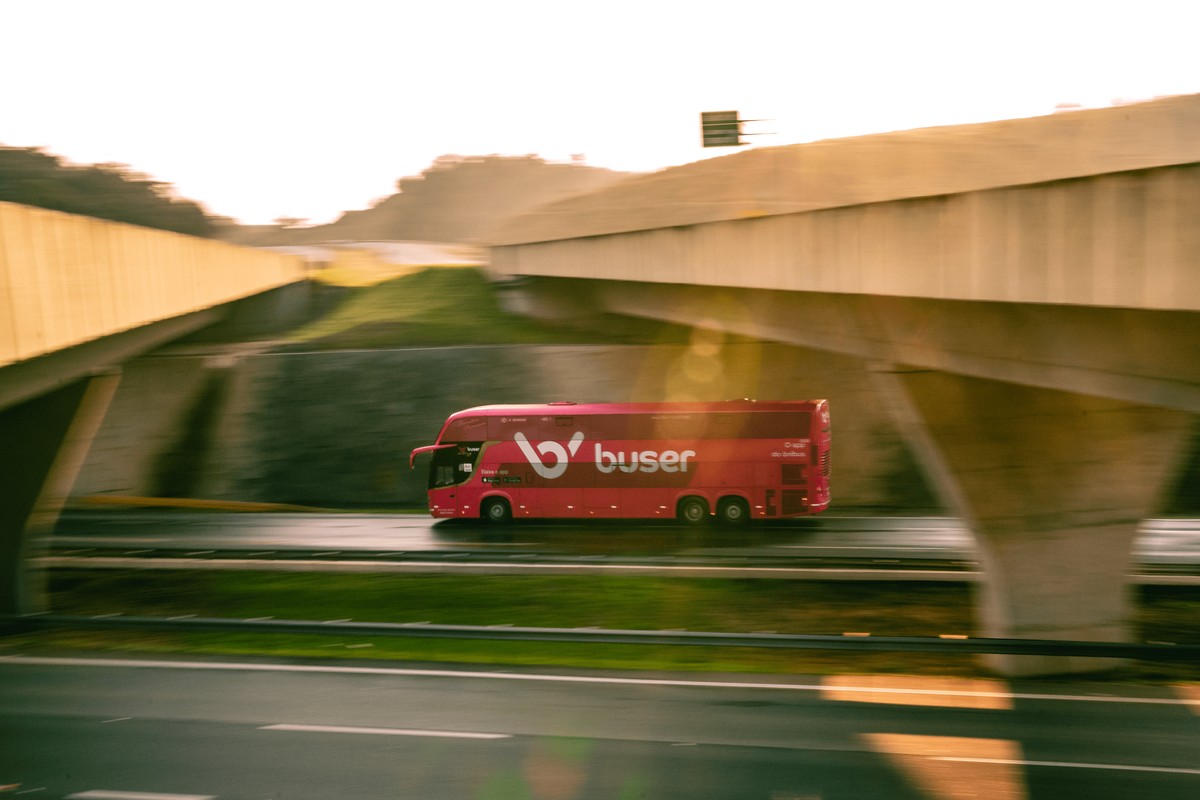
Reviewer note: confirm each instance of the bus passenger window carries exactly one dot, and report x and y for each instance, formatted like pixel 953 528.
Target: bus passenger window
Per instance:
pixel 443 475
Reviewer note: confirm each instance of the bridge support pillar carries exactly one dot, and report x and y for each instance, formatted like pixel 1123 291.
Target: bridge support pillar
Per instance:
pixel 1054 485
pixel 44 444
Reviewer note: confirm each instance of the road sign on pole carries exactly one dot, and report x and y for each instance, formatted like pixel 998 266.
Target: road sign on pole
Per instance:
pixel 721 129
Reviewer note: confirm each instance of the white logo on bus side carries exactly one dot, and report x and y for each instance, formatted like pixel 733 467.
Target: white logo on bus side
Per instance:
pixel 644 461
pixel 561 454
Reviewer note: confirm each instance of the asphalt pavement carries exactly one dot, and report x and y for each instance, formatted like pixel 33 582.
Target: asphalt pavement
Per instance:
pixel 130 729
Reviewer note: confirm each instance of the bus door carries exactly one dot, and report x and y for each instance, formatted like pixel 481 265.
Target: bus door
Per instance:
pixel 450 473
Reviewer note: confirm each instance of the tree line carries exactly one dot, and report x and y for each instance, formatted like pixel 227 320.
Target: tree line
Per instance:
pixel 30 176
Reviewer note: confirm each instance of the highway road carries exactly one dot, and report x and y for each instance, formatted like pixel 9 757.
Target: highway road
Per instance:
pixel 922 543
pixel 179 730
pixel 419 532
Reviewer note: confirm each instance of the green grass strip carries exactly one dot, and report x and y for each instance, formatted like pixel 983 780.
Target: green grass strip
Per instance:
pixel 619 602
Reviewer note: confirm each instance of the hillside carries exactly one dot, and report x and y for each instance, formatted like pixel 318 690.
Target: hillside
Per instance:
pixel 458 199
pixel 33 177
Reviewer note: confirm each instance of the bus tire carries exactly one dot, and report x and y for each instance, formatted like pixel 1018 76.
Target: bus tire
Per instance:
pixel 496 511
pixel 733 511
pixel 692 511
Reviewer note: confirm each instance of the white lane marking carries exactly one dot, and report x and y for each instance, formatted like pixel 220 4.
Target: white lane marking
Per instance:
pixel 1068 765
pixel 384 731
pixel 47 661
pixel 104 794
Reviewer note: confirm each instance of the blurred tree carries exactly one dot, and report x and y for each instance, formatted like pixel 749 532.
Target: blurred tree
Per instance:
pixel 106 191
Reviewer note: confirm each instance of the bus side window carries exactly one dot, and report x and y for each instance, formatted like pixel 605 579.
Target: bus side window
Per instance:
pixel 443 475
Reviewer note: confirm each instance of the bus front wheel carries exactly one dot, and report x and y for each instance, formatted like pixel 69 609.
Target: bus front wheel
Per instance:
pixel 693 510
pixel 733 511
pixel 497 510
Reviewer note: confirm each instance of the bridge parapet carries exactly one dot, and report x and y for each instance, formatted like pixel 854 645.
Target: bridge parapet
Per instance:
pixel 1091 208
pixel 67 279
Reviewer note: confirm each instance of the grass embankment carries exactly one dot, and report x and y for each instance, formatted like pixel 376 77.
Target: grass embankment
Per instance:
pixel 579 601
pixel 444 307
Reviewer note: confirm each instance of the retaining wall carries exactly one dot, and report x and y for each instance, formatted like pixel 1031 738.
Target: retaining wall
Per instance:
pixel 336 428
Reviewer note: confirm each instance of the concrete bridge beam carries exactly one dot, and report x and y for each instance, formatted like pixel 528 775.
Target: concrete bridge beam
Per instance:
pixel 46 440
pixel 1053 484
pixel 1052 458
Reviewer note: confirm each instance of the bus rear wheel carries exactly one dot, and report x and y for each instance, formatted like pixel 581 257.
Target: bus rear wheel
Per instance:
pixel 733 511
pixel 692 511
pixel 496 510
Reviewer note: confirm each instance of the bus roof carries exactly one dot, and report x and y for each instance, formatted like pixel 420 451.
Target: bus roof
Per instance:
pixel 519 413
pixel 565 408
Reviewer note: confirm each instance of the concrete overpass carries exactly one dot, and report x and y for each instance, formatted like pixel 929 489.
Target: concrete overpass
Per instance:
pixel 1024 293
pixel 78 296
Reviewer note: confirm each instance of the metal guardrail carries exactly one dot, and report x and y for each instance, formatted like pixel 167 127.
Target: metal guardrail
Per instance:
pixel 1146 651
pixel 894 570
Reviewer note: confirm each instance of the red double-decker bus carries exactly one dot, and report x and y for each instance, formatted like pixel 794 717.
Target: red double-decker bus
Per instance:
pixel 736 460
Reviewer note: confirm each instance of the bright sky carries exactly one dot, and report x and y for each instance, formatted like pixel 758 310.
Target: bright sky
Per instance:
pixel 261 109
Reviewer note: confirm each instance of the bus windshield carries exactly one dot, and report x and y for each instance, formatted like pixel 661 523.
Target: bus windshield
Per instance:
pixel 454 465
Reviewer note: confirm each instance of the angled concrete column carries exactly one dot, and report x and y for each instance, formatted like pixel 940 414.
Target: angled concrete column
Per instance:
pixel 1054 486
pixel 43 441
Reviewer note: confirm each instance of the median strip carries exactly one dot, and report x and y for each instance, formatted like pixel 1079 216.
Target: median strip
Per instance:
pixel 850 641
